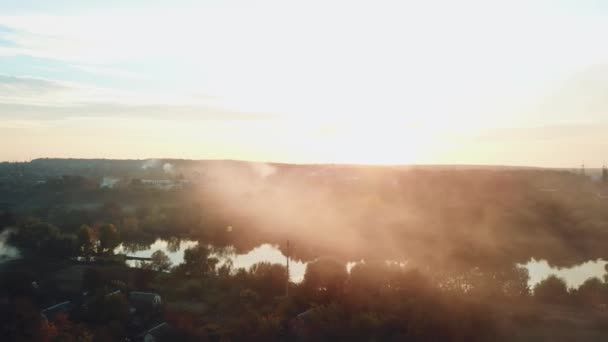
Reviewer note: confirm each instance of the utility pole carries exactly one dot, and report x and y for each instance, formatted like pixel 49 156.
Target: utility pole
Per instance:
pixel 583 169
pixel 287 281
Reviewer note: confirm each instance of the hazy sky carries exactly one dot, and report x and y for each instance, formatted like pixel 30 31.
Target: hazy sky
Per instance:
pixel 483 82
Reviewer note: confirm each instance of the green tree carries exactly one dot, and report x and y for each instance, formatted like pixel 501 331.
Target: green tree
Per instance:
pixel 160 261
pixel 173 244
pixel 515 282
pixel 34 235
pixel 45 239
pixel 198 261
pixel 325 278
pixel 369 277
pixel 268 279
pixel 592 292
pixel 551 289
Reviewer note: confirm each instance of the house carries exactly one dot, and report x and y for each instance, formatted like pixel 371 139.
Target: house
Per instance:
pixel 113 293
pixel 109 182
pixel 52 313
pixel 145 308
pixel 165 184
pixel 144 302
pixel 299 326
pixel 88 299
pixel 157 333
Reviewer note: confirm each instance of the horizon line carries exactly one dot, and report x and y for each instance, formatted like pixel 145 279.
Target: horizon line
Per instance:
pixel 309 163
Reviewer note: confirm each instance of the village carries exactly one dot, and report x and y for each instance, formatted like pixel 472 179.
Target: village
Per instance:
pixel 88 291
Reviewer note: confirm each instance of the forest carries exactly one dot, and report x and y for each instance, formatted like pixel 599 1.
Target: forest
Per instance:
pixel 437 249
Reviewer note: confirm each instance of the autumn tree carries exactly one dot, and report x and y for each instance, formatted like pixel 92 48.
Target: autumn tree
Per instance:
pixel 87 241
pixel 109 239
pixel 64 330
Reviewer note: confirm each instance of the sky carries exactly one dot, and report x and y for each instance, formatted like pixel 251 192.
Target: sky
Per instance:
pixel 379 82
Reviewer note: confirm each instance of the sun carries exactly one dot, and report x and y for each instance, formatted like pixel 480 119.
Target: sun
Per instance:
pixel 359 142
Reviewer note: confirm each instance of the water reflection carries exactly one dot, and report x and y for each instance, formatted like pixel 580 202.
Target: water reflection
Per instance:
pixel 574 276
pixel 175 248
pixel 176 254
pixel 7 252
pixel 269 253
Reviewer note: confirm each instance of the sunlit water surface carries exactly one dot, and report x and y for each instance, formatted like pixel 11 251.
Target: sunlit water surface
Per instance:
pixel 537 269
pixel 262 253
pixel 574 276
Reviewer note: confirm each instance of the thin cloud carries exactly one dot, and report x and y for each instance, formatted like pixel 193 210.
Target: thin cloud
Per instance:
pixel 582 95
pixel 109 71
pixel 26 90
pixel 33 85
pixel 157 111
pixel 30 90
pixel 566 132
pixel 39 98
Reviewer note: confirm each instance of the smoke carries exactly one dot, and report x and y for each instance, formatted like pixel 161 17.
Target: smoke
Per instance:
pixel 150 164
pixel 109 182
pixel 297 207
pixel 168 168
pixel 263 170
pixel 7 252
pixel 435 218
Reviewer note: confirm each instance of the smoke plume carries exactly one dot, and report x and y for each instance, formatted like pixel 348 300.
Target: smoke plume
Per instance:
pixel 168 168
pixel 7 252
pixel 150 164
pixel 263 170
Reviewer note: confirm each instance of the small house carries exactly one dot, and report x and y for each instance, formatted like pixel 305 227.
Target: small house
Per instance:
pixel 144 301
pixel 158 333
pixel 300 325
pixel 52 313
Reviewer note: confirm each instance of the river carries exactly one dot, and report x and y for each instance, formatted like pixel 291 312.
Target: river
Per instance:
pixel 537 269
